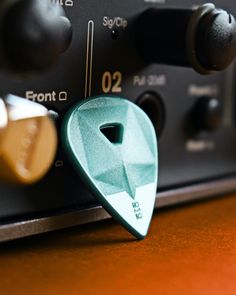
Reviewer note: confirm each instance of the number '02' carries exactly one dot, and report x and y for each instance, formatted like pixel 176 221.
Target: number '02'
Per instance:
pixel 111 82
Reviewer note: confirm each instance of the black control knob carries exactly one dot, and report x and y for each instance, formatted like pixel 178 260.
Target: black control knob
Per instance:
pixel 203 38
pixel 33 33
pixel 207 114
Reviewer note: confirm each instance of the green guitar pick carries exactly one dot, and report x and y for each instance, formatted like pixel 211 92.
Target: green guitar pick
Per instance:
pixel 112 145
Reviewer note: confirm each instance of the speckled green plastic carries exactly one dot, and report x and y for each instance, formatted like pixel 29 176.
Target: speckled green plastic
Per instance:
pixel 122 174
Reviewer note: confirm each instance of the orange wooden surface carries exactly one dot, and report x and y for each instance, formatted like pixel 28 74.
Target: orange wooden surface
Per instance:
pixel 189 250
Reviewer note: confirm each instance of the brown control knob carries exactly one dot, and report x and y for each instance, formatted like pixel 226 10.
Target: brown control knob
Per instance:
pixel 28 144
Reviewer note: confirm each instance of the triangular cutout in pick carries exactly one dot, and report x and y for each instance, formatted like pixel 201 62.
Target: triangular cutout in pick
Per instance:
pixel 121 171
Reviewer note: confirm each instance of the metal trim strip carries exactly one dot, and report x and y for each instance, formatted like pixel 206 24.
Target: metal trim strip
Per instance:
pixel 31 227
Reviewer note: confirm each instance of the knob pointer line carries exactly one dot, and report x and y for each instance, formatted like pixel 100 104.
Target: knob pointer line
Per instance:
pixel 112 145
